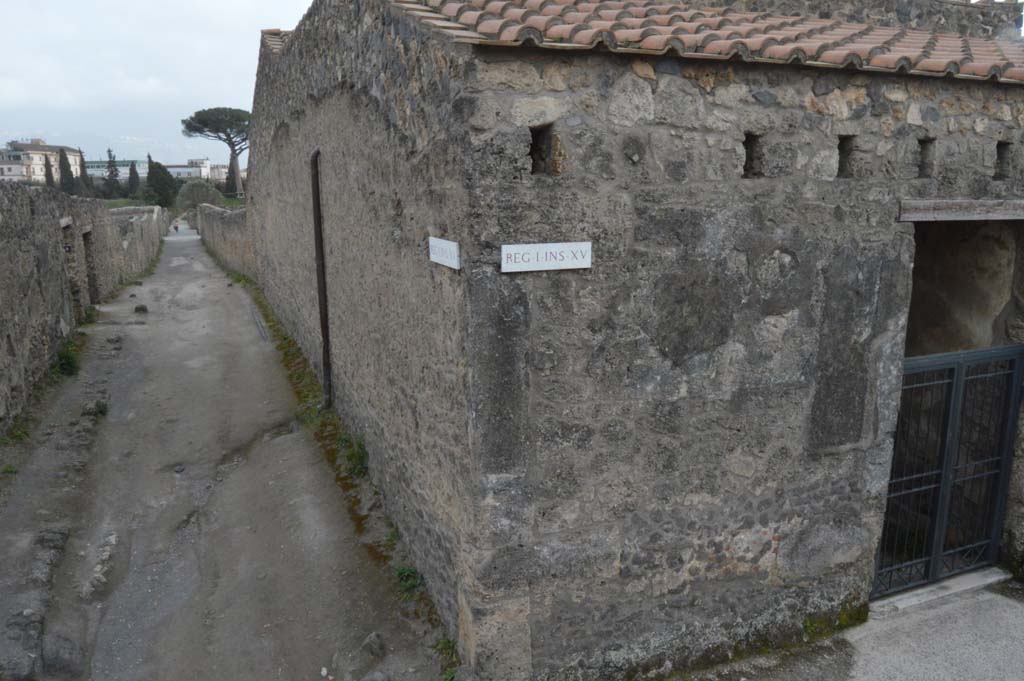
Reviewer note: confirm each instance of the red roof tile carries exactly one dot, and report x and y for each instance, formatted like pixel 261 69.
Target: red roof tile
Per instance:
pixel 658 27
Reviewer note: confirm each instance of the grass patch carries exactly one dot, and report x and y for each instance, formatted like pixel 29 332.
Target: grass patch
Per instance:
pixel 392 537
pixel 233 203
pixel 448 651
pixel 356 458
pixel 90 315
pixel 68 363
pixel 9 469
pixel 69 356
pixel 822 626
pixel 409 581
pixel 18 432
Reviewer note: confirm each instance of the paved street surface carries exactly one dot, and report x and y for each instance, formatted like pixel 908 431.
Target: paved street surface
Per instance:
pixel 193 532
pixel 976 636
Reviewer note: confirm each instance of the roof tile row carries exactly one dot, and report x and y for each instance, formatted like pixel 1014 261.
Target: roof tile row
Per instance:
pixel 657 27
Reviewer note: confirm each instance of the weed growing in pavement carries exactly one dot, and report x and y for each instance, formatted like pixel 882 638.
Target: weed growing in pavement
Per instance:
pixel 90 315
pixel 356 458
pixel 67 363
pixel 391 538
pixel 409 581
pixel 18 432
pixel 9 469
pixel 448 651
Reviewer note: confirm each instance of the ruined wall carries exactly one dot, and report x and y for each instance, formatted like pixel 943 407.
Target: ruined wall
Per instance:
pixel 986 19
pixel 128 246
pixel 700 426
pixel 380 102
pixel 227 235
pixel 45 276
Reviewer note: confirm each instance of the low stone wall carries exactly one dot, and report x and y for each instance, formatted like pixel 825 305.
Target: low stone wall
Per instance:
pixel 225 233
pixel 58 255
pixel 983 19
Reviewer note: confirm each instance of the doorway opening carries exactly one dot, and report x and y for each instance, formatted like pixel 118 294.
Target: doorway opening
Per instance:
pixel 68 236
pixel 961 396
pixel 321 278
pixel 90 268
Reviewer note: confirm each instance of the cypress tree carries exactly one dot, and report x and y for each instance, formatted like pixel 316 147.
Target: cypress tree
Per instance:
pixel 67 178
pixel 85 186
pixel 111 185
pixel 231 182
pixel 133 180
pixel 161 183
pixel 48 171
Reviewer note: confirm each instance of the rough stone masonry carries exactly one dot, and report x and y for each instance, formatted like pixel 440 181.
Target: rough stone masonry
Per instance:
pixel 59 255
pixel 683 451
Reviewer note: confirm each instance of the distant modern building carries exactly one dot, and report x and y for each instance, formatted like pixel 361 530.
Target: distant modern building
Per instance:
pixel 26 161
pixel 196 168
pixel 98 169
pixel 219 172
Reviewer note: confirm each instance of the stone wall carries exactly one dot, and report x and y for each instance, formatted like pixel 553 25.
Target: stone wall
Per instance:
pixel 128 246
pixel 227 235
pixel 378 97
pixel 702 423
pixel 59 255
pixel 678 453
pixel 986 19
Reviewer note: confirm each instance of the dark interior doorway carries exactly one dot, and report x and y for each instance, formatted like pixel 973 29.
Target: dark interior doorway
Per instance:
pixel 963 286
pixel 90 268
pixel 321 278
pixel 961 395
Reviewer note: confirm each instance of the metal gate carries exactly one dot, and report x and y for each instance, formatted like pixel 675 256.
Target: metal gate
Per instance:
pixel 951 466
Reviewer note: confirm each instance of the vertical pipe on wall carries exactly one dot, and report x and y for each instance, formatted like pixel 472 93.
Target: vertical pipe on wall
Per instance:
pixel 321 278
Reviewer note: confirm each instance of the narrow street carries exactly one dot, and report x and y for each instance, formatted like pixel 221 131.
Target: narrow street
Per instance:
pixel 194 531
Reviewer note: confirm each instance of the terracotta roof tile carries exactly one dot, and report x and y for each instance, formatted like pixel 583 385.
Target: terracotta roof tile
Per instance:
pixel 658 27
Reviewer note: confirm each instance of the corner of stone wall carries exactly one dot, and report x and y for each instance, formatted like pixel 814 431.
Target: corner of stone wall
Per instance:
pixel 495 602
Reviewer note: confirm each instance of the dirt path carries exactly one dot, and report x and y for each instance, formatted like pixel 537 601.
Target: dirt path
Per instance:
pixel 194 531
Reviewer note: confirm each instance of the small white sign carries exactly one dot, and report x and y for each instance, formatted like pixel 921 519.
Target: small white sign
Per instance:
pixel 445 253
pixel 537 257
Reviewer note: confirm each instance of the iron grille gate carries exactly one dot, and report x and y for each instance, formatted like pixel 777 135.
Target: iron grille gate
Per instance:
pixel 950 467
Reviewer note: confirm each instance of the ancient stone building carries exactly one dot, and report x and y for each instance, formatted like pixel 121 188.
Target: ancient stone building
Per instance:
pixel 686 449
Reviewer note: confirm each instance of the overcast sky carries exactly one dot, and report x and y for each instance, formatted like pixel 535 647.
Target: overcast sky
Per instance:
pixel 123 73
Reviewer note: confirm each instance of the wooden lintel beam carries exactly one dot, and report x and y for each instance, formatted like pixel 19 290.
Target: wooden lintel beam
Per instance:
pixel 960 210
